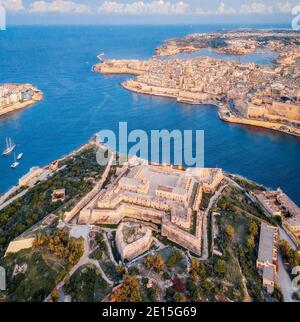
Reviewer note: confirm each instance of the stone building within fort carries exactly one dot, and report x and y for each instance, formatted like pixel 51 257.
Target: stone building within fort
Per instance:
pixel 162 195
pixel 133 240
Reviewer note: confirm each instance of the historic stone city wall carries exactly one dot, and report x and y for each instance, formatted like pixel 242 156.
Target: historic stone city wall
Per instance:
pixel 115 216
pixel 181 237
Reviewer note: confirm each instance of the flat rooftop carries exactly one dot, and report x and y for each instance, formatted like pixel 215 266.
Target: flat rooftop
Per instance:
pixel 266 243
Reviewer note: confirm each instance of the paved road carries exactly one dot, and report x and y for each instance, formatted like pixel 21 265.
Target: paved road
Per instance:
pixel 285 281
pixel 21 194
pixel 44 176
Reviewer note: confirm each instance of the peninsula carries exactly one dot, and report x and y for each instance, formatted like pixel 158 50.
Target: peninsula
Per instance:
pixel 260 95
pixel 150 226
pixel 14 97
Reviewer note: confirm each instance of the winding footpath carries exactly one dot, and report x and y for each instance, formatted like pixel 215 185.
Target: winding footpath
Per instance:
pixel 77 232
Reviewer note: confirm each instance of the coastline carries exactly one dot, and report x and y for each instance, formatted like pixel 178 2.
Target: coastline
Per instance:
pixel 191 99
pixel 257 123
pixel 37 97
pixel 186 97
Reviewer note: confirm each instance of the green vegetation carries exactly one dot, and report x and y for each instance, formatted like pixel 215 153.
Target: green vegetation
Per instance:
pixel 169 261
pixel 61 245
pixel 87 285
pixel 55 295
pixel 290 256
pixel 205 200
pixel 52 256
pixel 240 245
pixel 77 177
pixel 157 263
pixel 39 279
pixel 230 231
pixel 128 291
pixel 174 259
pixel 233 276
pixel 247 184
pixel 233 200
pixel 101 254
pixel 149 293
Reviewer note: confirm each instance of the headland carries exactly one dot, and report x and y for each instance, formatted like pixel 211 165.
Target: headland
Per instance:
pixel 259 95
pixel 14 97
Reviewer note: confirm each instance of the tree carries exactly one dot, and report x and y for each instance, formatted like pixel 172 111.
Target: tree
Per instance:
pixel 180 297
pixel 159 263
pixel 129 291
pixel 178 284
pixel 121 270
pixel 197 269
pixel 55 295
pixel 290 255
pixel 250 242
pixel 190 285
pixel 206 285
pixel 230 231
pixel 253 229
pixel 148 262
pixel 220 267
pixel 174 258
pixel 152 293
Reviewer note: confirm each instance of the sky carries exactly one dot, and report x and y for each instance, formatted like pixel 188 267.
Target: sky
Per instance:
pixel 149 11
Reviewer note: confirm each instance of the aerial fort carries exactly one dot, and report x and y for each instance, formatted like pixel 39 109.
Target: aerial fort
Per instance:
pixel 167 197
pixel 259 95
pixel 154 220
pixel 17 96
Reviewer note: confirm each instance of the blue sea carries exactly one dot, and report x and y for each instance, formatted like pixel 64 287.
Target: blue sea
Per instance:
pixel 79 103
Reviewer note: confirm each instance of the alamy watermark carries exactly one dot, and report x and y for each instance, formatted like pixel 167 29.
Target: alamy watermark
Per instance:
pixel 2 18
pixel 2 279
pixel 296 20
pixel 158 146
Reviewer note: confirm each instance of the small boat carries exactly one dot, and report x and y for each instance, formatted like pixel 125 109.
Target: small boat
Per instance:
pixel 10 146
pixel 15 164
pixel 20 156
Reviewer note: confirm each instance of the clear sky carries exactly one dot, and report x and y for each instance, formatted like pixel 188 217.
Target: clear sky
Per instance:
pixel 149 11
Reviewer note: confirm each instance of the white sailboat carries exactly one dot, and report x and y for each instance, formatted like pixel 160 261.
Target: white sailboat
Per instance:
pixel 20 156
pixel 15 164
pixel 10 146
